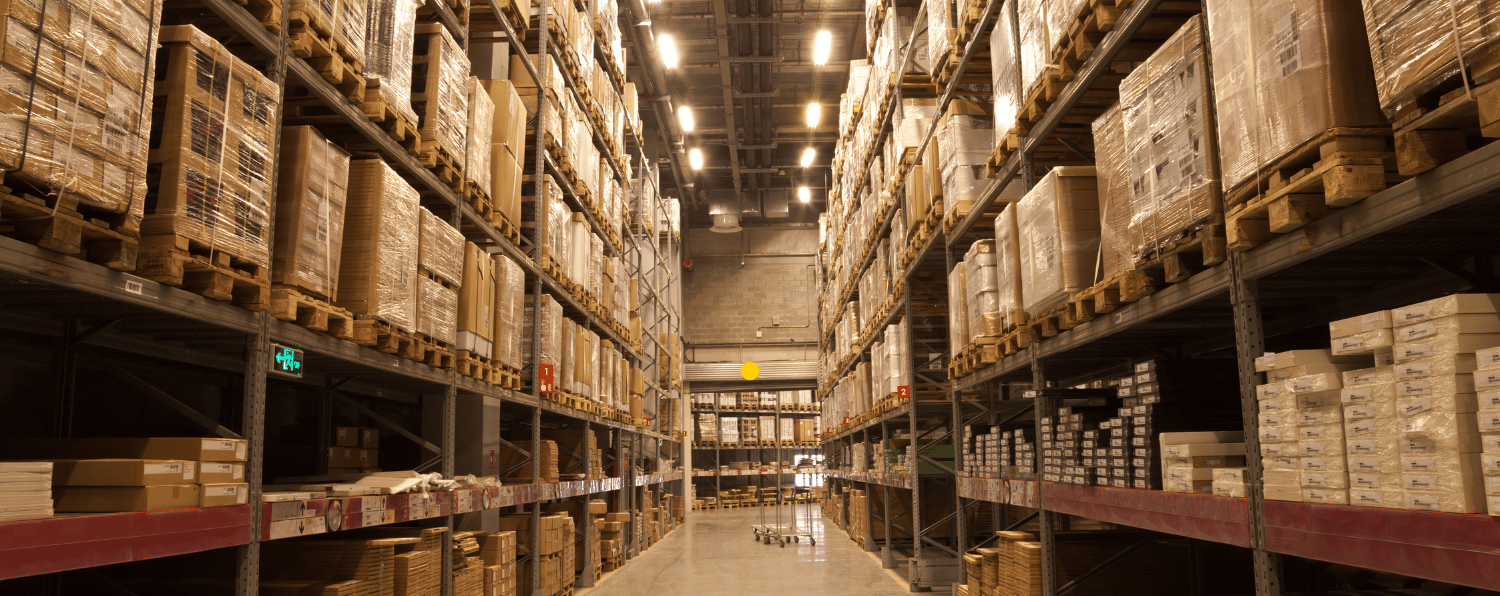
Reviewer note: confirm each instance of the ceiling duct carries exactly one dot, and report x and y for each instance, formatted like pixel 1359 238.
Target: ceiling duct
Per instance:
pixel 726 223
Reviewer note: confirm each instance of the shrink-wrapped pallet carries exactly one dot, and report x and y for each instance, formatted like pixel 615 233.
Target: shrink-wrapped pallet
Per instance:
pixel 1412 45
pixel 1112 164
pixel 1008 264
pixel 477 302
pixel 341 21
pixel 1169 139
pixel 378 269
pixel 440 93
pixel 437 310
pixel 1058 224
pixel 1285 71
pixel 211 149
pixel 958 321
pixel 940 23
pixel 440 248
pixel 389 44
pixel 510 293
pixel 982 293
pixel 479 133
pixel 965 138
pixel 1035 44
pixel 550 332
pixel 1005 78
pixel 311 190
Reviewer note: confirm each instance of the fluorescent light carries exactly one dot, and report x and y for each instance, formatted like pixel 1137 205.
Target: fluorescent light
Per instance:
pixel 668 50
pixel 807 156
pixel 695 157
pixel 685 117
pixel 804 195
pixel 814 114
pixel 821 47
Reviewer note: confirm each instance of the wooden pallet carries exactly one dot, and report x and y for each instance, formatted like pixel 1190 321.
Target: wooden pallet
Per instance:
pixel 961 211
pixel 387 338
pixel 1053 321
pixel 1305 196
pixel 435 157
pixel 1428 137
pixel 321 52
pixel 267 12
pixel 1175 262
pixel 1350 160
pixel 1122 288
pixel 435 352
pixel 311 312
pixel 474 366
pixel 69 232
pixel 392 121
pixel 507 377
pixel 506 228
pixel 182 262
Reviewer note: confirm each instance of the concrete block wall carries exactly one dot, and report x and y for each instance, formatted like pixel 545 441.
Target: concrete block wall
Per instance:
pixel 748 281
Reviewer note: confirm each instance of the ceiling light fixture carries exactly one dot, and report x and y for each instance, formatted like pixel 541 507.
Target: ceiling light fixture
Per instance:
pixel 685 118
pixel 695 157
pixel 808 155
pixel 814 114
pixel 821 47
pixel 804 195
pixel 668 50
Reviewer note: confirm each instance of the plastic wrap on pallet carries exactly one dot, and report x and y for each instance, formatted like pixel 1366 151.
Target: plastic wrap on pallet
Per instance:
pixel 557 217
pixel 440 248
pixel 476 303
pixel 965 139
pixel 1412 46
pixel 958 321
pixel 510 307
pixel 1036 45
pixel 310 194
pixel 389 44
pixel 982 293
pixel 1005 78
pixel 939 28
pixel 439 90
pixel 1168 129
pixel 1115 196
pixel 1008 263
pixel 1058 221
pixel 1062 17
pixel 550 333
pixel 900 30
pixel 1285 71
pixel 595 279
pixel 574 258
pixel 567 333
pixel 481 125
pixel 378 269
pixel 350 20
pixel 212 149
pixel 913 120
pixel 437 310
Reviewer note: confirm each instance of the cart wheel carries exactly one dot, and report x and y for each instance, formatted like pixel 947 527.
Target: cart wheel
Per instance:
pixel 783 544
pixel 814 541
pixel 796 539
pixel 767 540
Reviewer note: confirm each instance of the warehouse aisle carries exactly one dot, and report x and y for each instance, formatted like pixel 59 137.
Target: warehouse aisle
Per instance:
pixel 713 554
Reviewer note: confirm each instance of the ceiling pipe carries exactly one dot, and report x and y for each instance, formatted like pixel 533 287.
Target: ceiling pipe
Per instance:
pixel 727 83
pixel 788 17
pixel 655 86
pixel 767 118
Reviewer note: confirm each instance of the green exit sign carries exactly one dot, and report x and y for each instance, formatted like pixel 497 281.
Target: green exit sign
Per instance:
pixel 286 361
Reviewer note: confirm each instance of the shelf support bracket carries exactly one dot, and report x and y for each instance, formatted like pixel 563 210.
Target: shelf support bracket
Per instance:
pixel 161 396
pixel 383 421
pixel 1250 342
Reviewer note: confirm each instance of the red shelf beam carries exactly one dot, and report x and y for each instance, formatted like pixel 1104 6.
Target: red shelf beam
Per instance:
pixel 1205 517
pixel 50 545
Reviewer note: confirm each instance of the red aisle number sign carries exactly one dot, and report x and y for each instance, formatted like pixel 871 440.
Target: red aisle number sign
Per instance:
pixel 545 372
pixel 846 420
pixel 903 392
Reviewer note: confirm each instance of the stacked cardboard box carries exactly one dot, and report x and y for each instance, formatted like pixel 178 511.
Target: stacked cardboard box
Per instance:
pixel 1189 459
pixel 440 260
pixel 72 102
pixel 477 303
pixel 378 269
pixel 547 460
pixel 212 155
pixel 144 474
pixel 25 490
pixel 573 444
pixel 289 565
pixel 389 43
pixel 311 191
pixel 965 138
pixel 355 450
pixel 439 95
pixel 497 550
pixel 1412 46
pixel 510 306
pixel 1301 425
pixel 1060 217
pixel 1487 382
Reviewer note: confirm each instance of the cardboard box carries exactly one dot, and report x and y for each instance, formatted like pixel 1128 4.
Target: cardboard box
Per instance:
pixel 476 302
pixel 510 117
pixel 1060 217
pixel 311 189
pixel 109 499
pixel 218 495
pixel 123 472
pixel 378 274
pixel 505 177
pixel 167 448
pixel 210 472
pixel 346 436
pixel 440 248
pixel 369 438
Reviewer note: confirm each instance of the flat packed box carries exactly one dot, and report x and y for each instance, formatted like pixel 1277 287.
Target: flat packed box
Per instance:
pixel 1447 306
pixel 108 499
pixel 1369 322
pixel 1274 360
pixel 1444 345
pixel 221 494
pixel 1283 493
pixel 169 448
pixel 311 189
pixel 220 472
pixel 123 472
pixel 377 276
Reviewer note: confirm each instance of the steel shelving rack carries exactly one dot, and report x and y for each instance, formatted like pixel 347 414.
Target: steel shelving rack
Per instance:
pixel 719 454
pixel 88 311
pixel 1419 239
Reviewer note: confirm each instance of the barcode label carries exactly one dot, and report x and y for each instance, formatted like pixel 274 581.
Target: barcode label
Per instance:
pixel 1288 51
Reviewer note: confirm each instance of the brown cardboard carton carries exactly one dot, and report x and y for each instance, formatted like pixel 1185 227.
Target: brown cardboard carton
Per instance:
pixel 476 302
pixel 369 438
pixel 122 472
pixel 176 448
pixel 378 274
pixel 506 178
pixel 214 472
pixel 109 499
pixel 1058 222
pixel 218 495
pixel 510 118
pixel 440 248
pixel 346 436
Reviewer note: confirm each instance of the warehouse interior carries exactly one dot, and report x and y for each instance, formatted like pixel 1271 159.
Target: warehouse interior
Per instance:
pixel 554 298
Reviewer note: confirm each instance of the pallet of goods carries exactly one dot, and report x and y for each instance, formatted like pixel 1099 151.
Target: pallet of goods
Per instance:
pixel 311 192
pixel 378 268
pixel 440 98
pixel 330 36
pixel 389 46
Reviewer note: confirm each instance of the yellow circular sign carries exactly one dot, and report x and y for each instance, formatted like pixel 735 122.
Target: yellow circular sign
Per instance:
pixel 749 371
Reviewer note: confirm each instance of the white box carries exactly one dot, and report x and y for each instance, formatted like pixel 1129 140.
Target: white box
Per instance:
pixel 1275 360
pixel 1276 492
pixel 1202 449
pixel 1448 327
pixel 1315 383
pixel 1390 499
pixel 1449 364
pixel 1488 358
pixel 1437 346
pixel 1362 343
pixel 1284 374
pixel 1369 481
pixel 1360 324
pixel 1229 489
pixel 1444 307
pixel 1326 496
pixel 1331 480
pixel 1324 464
pixel 1369 376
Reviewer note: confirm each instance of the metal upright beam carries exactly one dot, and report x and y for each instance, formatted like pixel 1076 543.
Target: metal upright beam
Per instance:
pixel 253 427
pixel 1250 343
pixel 1045 519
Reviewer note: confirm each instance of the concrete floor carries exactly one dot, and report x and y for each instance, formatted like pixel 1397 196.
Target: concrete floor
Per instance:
pixel 713 555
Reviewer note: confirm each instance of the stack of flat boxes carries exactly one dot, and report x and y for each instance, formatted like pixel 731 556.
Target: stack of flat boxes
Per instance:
pixel 1368 401
pixel 1440 441
pixel 1018 453
pixel 1069 439
pixel 1487 382
pixel 1191 461
pixel 497 550
pixel 1298 380
pixel 140 474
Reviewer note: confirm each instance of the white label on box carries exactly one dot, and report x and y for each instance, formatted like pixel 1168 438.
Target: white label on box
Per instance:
pixel 1488 358
pixel 1314 463
pixel 239 471
pixel 1488 421
pixel 1416 332
pixel 1284 463
pixel 1312 432
pixel 1371 481
pixel 1413 351
pixel 1489 401
pixel 1364 378
pixel 1423 502
pixel 1364 446
pixel 1413 370
pixel 1364 464
pixel 1267 391
pixel 1314 448
pixel 1410 482
pixel 1269 359
pixel 217 468
pixel 1357 396
pixel 1410 388
pixel 189 471
pixel 1359 412
pixel 220 491
pixel 217 445
pixel 1309 400
pixel 1491 443
pixel 1368 498
pixel 1319 495
pixel 1416 406
pixel 1418 445
pixel 1486 379
pixel 1310 417
pixel 1411 314
pixel 1272 419
pixel 1302 386
pixel 153 469
pixel 1314 480
pixel 1419 464
pixel 1270 405
pixel 1348 344
pixel 1492 486
pixel 239 451
pixel 1490 464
